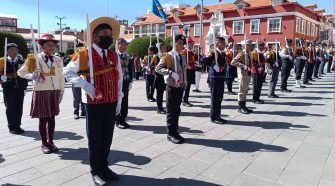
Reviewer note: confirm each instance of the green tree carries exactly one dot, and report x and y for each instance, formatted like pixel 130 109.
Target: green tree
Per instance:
pixel 139 46
pixel 68 52
pixel 13 38
pixel 167 42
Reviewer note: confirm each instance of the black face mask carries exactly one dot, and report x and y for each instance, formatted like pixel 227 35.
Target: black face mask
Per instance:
pixel 105 42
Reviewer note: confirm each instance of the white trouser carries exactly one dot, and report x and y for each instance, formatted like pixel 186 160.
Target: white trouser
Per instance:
pixel 197 80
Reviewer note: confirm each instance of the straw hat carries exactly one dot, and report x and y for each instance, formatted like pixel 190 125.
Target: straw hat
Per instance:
pixel 114 24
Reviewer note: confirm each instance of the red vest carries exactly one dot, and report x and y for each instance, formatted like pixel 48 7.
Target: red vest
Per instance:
pixel 105 79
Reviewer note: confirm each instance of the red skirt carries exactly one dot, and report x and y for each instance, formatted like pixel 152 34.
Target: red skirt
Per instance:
pixel 45 104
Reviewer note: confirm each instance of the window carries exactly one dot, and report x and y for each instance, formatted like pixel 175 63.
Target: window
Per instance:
pixel 308 28
pixel 274 25
pixel 186 29
pixel 144 29
pixel 161 28
pixel 199 11
pixel 254 26
pixel 316 31
pixel 297 25
pixel 176 14
pixel 197 28
pixel 303 27
pixel 273 44
pixel 175 30
pixel 276 2
pixel 313 30
pixel 137 29
pixel 217 30
pixel 238 27
pixel 240 5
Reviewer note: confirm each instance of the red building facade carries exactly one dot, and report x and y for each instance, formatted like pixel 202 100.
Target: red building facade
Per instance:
pixel 262 20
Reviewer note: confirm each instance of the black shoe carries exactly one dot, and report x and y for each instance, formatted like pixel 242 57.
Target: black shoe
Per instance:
pixel 151 99
pixel 17 131
pixel 99 180
pixel 285 90
pixel 243 111
pixel 249 110
pixel 196 90
pixel 300 86
pixel 218 120
pixel 258 102
pixel 83 114
pixel 187 104
pixel 110 175
pixel 161 111
pixel 311 80
pixel 273 96
pixel 53 147
pixel 232 93
pixel 122 125
pixel 75 116
pixel 180 138
pixel 307 83
pixel 174 139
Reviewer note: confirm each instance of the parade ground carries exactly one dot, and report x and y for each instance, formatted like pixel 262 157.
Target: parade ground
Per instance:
pixel 286 141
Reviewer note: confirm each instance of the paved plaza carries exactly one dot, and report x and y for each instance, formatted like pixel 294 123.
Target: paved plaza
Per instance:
pixel 286 141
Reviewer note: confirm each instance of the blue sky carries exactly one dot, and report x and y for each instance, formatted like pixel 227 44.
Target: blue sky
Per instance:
pixel 75 10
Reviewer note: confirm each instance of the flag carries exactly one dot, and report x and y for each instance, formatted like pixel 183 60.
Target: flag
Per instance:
pixel 158 10
pixel 220 1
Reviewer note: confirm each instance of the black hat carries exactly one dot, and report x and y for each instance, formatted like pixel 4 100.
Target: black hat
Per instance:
pixel 260 43
pixel 10 45
pixel 182 37
pixel 289 40
pixel 78 45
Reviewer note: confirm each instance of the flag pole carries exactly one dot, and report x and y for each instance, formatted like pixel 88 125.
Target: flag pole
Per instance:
pixel 89 48
pixel 201 25
pixel 107 8
pixel 5 58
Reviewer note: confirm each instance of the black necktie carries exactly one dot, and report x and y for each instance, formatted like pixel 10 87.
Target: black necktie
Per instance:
pixel 47 58
pixel 104 58
pixel 13 61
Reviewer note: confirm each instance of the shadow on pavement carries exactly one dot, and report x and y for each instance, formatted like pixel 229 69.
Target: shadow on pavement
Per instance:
pixel 1 158
pixel 162 129
pixel 115 156
pixel 236 145
pixel 58 135
pixel 294 103
pixel 137 180
pixel 267 124
pixel 287 113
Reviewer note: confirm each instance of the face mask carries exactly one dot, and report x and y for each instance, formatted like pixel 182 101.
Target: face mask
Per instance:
pixel 105 41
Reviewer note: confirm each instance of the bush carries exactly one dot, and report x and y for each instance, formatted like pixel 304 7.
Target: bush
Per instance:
pixel 13 38
pixel 139 46
pixel 69 52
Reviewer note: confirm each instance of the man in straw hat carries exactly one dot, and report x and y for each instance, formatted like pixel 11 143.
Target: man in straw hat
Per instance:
pixel 243 62
pixel 103 98
pixel 14 88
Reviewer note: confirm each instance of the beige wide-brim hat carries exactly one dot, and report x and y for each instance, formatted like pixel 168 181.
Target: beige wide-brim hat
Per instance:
pixel 114 24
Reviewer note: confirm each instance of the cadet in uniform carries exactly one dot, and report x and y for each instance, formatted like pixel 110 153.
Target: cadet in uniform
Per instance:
pixel 14 88
pixel 274 65
pixel 173 67
pixel 243 63
pixel 286 55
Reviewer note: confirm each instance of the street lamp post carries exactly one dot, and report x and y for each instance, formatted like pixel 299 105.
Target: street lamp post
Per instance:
pixel 61 30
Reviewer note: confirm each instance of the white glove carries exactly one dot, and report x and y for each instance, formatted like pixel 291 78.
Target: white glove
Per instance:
pixel 245 68
pixel 61 97
pixel 118 106
pixel 35 76
pixel 25 92
pixel 290 57
pixel 4 78
pixel 175 76
pixel 276 64
pixel 216 68
pixel 303 57
pixel 88 87
pixel 130 86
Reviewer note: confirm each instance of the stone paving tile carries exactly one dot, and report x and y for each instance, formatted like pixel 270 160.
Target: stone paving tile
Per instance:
pixel 287 141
